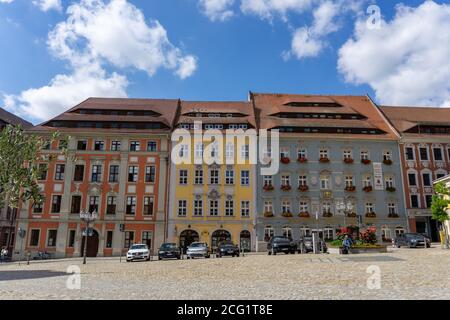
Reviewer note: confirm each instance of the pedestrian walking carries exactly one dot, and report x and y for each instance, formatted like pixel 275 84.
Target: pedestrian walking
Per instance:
pixel 3 254
pixel 346 244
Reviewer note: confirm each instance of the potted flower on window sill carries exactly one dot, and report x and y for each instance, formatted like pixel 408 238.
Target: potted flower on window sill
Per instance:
pixel 324 160
pixel 350 188
pixel 268 187
pixel 348 160
pixel 302 160
pixel 393 215
pixel 351 214
pixel 365 161
pixel 303 188
pixel 285 160
pixel 387 162
pixel 304 214
pixel 268 214
pixel 327 214
pixel 287 214
pixel 367 189
pixel 286 187
pixel 390 189
pixel 371 215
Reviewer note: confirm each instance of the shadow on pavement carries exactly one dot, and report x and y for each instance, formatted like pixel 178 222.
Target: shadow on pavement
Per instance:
pixel 33 274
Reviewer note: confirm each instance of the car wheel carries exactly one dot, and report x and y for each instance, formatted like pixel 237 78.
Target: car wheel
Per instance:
pixel 238 255
pixel 269 253
pixel 274 253
pixel 178 257
pixel 159 258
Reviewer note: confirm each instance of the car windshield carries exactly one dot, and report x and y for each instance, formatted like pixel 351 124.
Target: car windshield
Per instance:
pixel 227 244
pixel 280 239
pixel 198 245
pixel 167 246
pixel 138 247
pixel 414 236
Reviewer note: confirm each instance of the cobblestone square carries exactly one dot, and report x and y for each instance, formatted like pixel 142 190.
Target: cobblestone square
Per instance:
pixel 404 274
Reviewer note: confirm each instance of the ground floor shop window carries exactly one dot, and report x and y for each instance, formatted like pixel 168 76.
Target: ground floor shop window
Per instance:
pixel 129 239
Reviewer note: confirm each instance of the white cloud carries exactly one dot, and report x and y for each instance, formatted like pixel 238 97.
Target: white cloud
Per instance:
pixel 266 9
pixel 406 61
pixel 217 10
pixel 6 1
pixel 46 5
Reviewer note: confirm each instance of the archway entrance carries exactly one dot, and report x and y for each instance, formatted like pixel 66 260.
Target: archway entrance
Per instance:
pixel 217 237
pixel 187 237
pixel 92 244
pixel 245 241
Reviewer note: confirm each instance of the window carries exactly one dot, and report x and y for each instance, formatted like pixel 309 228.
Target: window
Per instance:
pixel 437 153
pixel 229 207
pixel 323 153
pixel 285 180
pixel 199 150
pixel 268 233
pixel 285 206
pixel 347 154
pixel 99 145
pixel 214 176
pixel 182 208
pixel 42 171
pixel 364 155
pixel 385 234
pixel 301 153
pixel 214 149
pixel 115 145
pixel 135 146
pixel 198 207
pixel 325 182
pixel 51 238
pixel 147 238
pixel 131 205
pixel 132 174
pixel 399 231
pixel 412 179
pixel 46 145
pixel 426 179
pixel 93 203
pixel 183 177
pixel 268 180
pixel 305 231
pixel 109 239
pixel 75 206
pixel 183 151
pixel 328 233
pixel 245 209
pixel 34 237
pixel 268 206
pixel 303 206
pixel 79 173
pixel 302 181
pixel 71 242
pixel 428 200
pixel 287 232
pixel 62 144
pixel 56 204
pixel 326 207
pixel 150 174
pixel 245 152
pixel 369 207
pixel 348 181
pixel 213 207
pixel 198 178
pixel 81 145
pixel 284 153
pixel 389 182
pixel 367 181
pixel 111 203
pixel 245 178
pixel 229 176
pixel 148 206
pixel 392 208
pixel 96 173
pixel 229 151
pixel 409 153
pixel 114 173
pixel 59 172
pixel 414 201
pixel 387 155
pixel 129 239
pixel 423 151
pixel 440 175
pixel 152 146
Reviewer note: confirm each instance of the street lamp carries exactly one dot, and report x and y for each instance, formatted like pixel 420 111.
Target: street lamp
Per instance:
pixel 346 208
pixel 87 218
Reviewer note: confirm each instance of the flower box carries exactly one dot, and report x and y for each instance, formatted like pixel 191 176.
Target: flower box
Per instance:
pixel 390 189
pixel 268 214
pixel 324 160
pixel 285 160
pixel 393 215
pixel 268 187
pixel 367 189
pixel 350 188
pixel 303 188
pixel 387 162
pixel 286 187
pixel 327 214
pixel 366 161
pixel 351 215
pixel 287 215
pixel 304 215
pixel 302 160
pixel 348 160
pixel 371 215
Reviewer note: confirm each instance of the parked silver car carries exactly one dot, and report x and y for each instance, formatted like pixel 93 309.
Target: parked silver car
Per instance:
pixel 198 250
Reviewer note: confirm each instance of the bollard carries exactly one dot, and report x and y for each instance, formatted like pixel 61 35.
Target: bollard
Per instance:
pixel 28 258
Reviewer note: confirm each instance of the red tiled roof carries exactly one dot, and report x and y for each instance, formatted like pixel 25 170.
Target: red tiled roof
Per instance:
pixel 12 119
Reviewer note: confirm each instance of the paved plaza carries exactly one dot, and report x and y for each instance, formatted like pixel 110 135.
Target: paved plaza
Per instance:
pixel 404 274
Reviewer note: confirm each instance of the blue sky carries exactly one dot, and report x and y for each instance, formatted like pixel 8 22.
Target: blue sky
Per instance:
pixel 248 50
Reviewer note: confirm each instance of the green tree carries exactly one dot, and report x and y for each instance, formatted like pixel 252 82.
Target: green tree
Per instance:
pixel 19 166
pixel 440 206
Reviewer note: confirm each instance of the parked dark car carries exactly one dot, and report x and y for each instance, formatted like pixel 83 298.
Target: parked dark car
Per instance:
pixel 281 244
pixel 412 240
pixel 227 248
pixel 306 244
pixel 169 251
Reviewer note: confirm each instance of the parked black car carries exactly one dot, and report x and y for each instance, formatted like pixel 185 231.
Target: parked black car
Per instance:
pixel 281 244
pixel 412 240
pixel 169 251
pixel 227 248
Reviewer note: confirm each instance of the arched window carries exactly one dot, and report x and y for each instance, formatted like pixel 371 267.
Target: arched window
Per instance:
pixel 287 232
pixel 399 231
pixel 385 234
pixel 268 233
pixel 305 231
